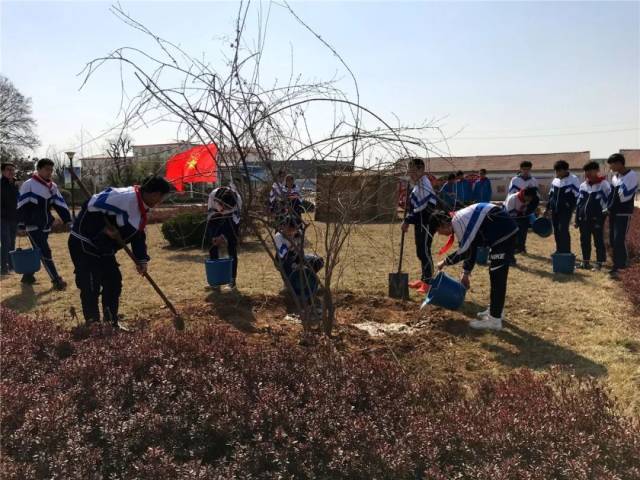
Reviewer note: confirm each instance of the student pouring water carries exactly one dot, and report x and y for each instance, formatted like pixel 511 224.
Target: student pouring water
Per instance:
pixel 481 225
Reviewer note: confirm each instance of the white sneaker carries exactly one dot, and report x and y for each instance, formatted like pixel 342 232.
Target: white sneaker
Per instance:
pixel 487 323
pixel 486 313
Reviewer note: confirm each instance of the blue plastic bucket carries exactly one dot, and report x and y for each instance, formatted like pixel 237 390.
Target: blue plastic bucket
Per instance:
pixel 543 227
pixel 25 261
pixel 304 283
pixel 482 255
pixel 563 262
pixel 445 292
pixel 219 272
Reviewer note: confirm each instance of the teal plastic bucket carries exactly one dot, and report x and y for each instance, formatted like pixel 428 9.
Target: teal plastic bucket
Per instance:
pixel 25 261
pixel 219 272
pixel 563 263
pixel 482 255
pixel 445 292
pixel 304 283
pixel 542 226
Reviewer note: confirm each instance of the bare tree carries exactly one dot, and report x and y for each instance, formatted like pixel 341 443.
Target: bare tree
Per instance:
pixel 16 121
pixel 120 168
pixel 253 124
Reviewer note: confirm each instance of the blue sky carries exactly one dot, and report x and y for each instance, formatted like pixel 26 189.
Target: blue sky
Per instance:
pixel 517 77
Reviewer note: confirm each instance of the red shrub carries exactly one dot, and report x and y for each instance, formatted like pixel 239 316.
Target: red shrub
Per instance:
pixel 206 404
pixel 631 276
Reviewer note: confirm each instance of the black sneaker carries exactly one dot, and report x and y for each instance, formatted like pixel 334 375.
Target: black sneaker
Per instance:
pixel 597 267
pixel 28 279
pixel 584 265
pixel 59 284
pixel 613 273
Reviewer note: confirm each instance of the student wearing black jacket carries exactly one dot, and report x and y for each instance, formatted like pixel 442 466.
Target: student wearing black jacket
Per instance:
pixel 111 214
pixel 563 196
pixel 9 217
pixel 591 213
pixel 624 185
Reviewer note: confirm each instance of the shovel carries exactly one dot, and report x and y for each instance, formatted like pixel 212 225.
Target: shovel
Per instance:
pixel 399 282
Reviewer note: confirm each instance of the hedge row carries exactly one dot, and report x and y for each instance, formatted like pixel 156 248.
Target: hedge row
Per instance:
pixel 209 405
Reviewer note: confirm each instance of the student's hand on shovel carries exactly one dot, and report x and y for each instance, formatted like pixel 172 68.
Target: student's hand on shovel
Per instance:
pixel 441 265
pixel 405 227
pixel 141 268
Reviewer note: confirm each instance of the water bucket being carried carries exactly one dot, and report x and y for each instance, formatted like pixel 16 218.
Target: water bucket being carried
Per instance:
pixel 563 263
pixel 445 292
pixel 25 261
pixel 219 272
pixel 543 227
pixel 304 283
pixel 482 255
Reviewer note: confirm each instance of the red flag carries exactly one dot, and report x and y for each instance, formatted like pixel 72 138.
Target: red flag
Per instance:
pixel 196 165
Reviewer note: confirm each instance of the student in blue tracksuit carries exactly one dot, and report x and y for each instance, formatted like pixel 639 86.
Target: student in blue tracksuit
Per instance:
pixel 223 225
pixel 463 190
pixel 93 244
pixel 482 188
pixel 482 225
pixel 591 212
pixel 522 181
pixel 422 203
pixel 37 197
pixel 448 192
pixel 624 185
pixel 563 196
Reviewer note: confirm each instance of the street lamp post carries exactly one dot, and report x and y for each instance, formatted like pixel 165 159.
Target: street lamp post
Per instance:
pixel 71 172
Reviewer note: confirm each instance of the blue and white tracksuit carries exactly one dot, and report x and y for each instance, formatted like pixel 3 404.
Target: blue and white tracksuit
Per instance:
pixel 35 200
pixel 518 183
pixel 225 221
pixel 563 196
pixel 93 252
pixel 486 225
pixel 591 211
pixel 289 253
pixel 623 191
pixel 422 202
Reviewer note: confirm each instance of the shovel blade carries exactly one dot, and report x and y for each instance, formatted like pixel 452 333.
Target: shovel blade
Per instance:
pixel 399 285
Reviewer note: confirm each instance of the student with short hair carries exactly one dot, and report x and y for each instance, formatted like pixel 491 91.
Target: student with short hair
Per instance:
pixel 38 195
pixel 9 216
pixel 422 203
pixel 289 241
pixel 522 181
pixel 108 219
pixel 482 191
pixel 223 225
pixel 481 225
pixel 563 196
pixel 591 211
pixel 624 185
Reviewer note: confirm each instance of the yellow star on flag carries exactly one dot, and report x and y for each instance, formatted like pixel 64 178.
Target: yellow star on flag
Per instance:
pixel 191 164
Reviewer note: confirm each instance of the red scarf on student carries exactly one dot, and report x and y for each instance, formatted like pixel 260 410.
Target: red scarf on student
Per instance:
pixel 449 243
pixel 142 207
pixel 596 181
pixel 41 180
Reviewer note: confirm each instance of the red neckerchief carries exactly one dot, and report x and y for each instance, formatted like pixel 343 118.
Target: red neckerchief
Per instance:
pixel 521 195
pixel 142 207
pixel 41 180
pixel 596 181
pixel 447 245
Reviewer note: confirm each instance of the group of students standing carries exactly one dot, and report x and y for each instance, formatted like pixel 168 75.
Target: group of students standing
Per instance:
pixel 503 228
pixel 118 216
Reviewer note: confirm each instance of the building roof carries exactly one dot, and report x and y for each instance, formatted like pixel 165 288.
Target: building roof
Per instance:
pixel 172 144
pixel 500 163
pixel 631 157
